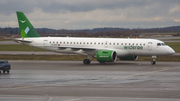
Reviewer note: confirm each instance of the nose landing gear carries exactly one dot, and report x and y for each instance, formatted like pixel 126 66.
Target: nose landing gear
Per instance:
pixel 153 62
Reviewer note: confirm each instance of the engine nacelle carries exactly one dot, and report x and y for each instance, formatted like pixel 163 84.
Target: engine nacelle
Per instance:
pixel 131 57
pixel 106 56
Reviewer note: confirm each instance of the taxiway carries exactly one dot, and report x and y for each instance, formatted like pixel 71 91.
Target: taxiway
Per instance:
pixel 74 81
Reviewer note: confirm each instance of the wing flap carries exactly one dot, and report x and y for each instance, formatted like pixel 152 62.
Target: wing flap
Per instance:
pixel 77 48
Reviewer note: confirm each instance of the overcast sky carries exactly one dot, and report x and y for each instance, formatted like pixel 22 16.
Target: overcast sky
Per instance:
pixel 88 14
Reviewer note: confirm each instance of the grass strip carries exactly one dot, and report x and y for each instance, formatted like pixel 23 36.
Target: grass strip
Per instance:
pixel 2 39
pixel 18 47
pixel 173 58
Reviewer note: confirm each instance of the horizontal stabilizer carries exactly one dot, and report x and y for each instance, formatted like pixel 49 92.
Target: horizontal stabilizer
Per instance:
pixel 18 40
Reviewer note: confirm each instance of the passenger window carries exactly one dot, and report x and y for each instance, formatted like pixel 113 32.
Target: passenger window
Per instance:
pixel 94 43
pixel 158 44
pixel 109 43
pixel 121 43
pixel 117 43
pixel 144 44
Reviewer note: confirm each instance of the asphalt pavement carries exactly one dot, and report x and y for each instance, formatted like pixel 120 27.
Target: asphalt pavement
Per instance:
pixel 74 81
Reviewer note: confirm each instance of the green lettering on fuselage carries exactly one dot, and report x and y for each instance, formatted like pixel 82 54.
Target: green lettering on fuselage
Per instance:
pixel 133 47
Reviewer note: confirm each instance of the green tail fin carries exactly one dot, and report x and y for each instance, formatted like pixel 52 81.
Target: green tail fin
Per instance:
pixel 26 28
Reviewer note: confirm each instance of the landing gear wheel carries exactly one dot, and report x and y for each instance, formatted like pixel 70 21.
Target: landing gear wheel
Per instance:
pixel 4 71
pixel 8 71
pixel 153 62
pixel 86 61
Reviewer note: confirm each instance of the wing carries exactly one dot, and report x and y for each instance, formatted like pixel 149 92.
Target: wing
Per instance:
pixel 22 40
pixel 77 48
pixel 82 50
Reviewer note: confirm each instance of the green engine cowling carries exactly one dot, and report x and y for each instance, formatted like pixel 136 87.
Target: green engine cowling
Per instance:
pixel 106 56
pixel 131 57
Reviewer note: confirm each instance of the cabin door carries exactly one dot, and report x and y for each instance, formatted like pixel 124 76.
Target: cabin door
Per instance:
pixel 45 43
pixel 106 44
pixel 149 46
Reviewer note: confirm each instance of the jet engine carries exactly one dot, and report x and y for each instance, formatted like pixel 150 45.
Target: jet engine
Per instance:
pixel 131 57
pixel 106 56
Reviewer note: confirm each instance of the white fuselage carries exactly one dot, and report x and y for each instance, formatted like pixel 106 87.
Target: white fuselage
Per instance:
pixel 89 46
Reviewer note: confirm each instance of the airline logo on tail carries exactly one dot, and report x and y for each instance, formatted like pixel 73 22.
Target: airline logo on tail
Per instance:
pixel 26 28
pixel 23 21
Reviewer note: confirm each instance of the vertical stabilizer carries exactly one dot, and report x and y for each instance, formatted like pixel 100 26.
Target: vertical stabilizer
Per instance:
pixel 26 28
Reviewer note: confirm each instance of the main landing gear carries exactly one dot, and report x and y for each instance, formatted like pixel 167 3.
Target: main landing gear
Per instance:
pixel 153 62
pixel 88 60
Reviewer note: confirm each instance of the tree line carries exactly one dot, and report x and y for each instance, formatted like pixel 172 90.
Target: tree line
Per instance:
pixel 97 32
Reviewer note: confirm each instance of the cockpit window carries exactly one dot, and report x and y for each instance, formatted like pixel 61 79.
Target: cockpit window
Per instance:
pixel 158 44
pixel 161 44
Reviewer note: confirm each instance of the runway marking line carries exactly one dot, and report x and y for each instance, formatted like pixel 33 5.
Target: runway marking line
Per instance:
pixel 161 70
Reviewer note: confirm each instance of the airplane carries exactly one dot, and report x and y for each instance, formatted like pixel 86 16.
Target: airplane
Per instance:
pixel 103 49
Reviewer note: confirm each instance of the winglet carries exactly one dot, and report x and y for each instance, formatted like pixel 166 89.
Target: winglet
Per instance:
pixel 26 28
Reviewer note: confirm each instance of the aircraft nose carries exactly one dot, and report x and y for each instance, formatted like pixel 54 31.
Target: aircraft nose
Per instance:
pixel 170 51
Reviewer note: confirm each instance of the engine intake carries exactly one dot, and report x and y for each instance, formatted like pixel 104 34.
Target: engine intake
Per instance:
pixel 106 56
